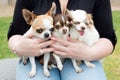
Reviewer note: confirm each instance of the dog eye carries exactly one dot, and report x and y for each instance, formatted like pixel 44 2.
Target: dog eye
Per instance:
pixel 87 23
pixel 51 29
pixel 76 23
pixel 39 30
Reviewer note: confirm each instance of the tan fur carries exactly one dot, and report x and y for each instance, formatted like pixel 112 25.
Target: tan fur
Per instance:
pixel 40 26
pixel 38 23
pixel 89 20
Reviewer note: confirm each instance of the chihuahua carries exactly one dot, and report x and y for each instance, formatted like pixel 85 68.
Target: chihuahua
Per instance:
pixel 62 25
pixel 83 30
pixel 41 26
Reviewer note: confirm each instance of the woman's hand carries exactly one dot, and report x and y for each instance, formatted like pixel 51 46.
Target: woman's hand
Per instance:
pixel 27 45
pixel 70 48
pixel 79 50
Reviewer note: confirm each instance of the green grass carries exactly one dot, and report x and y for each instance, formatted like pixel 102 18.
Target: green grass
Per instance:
pixel 4 50
pixel 111 63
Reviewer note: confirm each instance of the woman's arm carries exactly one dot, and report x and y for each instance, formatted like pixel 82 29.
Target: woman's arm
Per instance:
pixel 81 51
pixel 25 45
pixel 19 39
pixel 18 24
pixel 102 16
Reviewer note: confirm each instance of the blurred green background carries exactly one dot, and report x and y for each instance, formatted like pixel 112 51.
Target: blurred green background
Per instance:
pixel 111 63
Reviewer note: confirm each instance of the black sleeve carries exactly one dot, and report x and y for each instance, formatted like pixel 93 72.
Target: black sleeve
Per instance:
pixel 102 16
pixel 18 25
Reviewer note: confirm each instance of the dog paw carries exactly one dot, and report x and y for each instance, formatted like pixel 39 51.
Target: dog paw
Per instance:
pixel 49 67
pixel 25 62
pixel 32 74
pixel 19 60
pixel 90 65
pixel 60 67
pixel 79 70
pixel 46 73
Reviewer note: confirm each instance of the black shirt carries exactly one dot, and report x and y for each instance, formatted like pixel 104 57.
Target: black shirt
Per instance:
pixel 100 9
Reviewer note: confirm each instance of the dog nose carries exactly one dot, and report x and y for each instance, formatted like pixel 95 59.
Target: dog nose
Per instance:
pixel 83 28
pixel 46 35
pixel 64 31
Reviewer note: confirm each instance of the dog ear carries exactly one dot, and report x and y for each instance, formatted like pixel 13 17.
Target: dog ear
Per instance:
pixel 28 16
pixel 70 18
pixel 68 12
pixel 90 20
pixel 89 16
pixel 52 10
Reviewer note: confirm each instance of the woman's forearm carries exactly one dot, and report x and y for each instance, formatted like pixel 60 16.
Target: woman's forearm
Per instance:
pixel 13 41
pixel 27 45
pixel 99 50
pixel 81 51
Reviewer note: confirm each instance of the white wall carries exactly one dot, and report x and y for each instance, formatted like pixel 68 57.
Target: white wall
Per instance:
pixel 6 2
pixel 3 2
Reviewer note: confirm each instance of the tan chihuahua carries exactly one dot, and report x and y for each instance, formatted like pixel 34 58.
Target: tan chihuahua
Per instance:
pixel 41 26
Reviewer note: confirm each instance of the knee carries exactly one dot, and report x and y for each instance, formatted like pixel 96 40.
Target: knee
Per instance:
pixel 69 73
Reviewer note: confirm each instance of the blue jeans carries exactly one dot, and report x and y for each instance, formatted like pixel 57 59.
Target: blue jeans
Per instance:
pixel 68 72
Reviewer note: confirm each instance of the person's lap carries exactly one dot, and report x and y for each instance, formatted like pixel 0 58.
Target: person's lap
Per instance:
pixel 68 72
pixel 22 72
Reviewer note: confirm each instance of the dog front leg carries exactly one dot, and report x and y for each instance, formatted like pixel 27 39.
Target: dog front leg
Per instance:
pixel 77 68
pixel 33 69
pixel 45 66
pixel 23 59
pixel 89 64
pixel 58 61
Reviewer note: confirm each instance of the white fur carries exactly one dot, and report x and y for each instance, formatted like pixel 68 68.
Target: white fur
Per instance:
pixel 33 69
pixel 47 25
pixel 32 73
pixel 40 21
pixel 76 14
pixel 59 33
pixel 58 61
pixel 45 66
pixel 90 36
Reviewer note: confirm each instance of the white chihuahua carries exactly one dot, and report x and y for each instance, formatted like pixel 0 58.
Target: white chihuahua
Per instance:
pixel 84 30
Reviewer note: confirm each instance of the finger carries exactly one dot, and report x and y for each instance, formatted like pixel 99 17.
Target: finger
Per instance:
pixel 46 44
pixel 60 47
pixel 47 50
pixel 61 54
pixel 63 42
pixel 41 40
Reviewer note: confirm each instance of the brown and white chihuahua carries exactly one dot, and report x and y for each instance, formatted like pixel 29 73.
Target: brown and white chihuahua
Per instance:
pixel 41 26
pixel 62 24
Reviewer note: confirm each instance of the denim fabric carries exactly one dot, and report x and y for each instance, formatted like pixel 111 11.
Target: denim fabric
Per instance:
pixel 68 72
pixel 97 73
pixel 22 72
